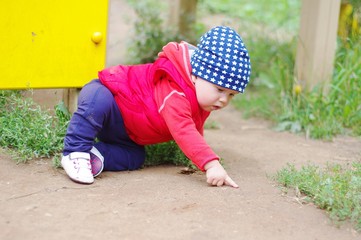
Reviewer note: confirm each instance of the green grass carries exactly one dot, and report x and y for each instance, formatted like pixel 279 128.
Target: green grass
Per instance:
pixel 272 13
pixel 335 189
pixel 150 34
pixel 166 153
pixel 27 130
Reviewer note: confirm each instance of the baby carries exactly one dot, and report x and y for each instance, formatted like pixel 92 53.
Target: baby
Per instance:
pixel 131 106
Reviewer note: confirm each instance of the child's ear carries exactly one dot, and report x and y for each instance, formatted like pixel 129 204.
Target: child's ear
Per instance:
pixel 194 78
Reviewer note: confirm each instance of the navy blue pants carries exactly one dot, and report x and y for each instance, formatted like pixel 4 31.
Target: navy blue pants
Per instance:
pixel 98 116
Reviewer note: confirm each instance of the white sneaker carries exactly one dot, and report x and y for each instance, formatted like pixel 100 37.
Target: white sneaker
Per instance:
pixel 77 166
pixel 96 161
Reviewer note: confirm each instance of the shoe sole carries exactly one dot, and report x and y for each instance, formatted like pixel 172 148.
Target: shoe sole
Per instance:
pixel 96 162
pixel 77 181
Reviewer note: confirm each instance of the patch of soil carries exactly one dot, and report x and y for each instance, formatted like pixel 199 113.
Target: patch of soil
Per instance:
pixel 40 202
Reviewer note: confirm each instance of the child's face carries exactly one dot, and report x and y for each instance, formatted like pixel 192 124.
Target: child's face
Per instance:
pixel 211 96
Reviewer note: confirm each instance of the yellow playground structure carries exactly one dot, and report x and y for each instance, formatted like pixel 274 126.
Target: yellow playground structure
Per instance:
pixel 52 44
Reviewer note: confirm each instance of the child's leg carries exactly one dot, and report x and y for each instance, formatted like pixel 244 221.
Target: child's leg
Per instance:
pixel 119 158
pixel 94 106
pixel 98 116
pixel 119 151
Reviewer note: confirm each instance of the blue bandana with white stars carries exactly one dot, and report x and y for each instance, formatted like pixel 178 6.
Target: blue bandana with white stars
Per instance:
pixel 222 58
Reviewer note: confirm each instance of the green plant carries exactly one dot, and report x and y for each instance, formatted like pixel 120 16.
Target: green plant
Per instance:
pixel 346 86
pixel 211 125
pixel 336 189
pixel 271 79
pixel 355 3
pixel 28 130
pixel 166 153
pixel 150 34
pixel 326 115
pixel 271 13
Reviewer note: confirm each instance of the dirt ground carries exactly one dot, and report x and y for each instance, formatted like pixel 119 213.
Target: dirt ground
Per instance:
pixel 40 202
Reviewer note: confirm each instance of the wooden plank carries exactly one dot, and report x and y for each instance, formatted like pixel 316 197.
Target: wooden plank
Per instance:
pixel 317 42
pixel 70 98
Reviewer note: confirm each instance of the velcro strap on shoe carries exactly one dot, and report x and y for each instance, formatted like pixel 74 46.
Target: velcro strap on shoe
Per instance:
pixel 83 155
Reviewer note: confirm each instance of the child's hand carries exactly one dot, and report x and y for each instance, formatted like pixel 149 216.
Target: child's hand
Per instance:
pixel 217 176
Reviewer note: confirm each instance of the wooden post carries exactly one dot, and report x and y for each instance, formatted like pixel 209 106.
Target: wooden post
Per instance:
pixel 70 98
pixel 183 17
pixel 317 42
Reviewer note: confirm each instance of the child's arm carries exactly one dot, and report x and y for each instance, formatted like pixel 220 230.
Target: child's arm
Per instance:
pixel 177 114
pixel 217 176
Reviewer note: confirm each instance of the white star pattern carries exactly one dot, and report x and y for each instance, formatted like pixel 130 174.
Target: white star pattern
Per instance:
pixel 222 59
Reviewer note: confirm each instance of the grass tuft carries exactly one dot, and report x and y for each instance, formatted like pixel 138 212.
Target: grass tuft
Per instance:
pixel 27 129
pixel 335 189
pixel 166 153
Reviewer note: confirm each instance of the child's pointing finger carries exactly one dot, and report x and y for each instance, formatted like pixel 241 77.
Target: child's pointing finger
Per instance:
pixel 229 182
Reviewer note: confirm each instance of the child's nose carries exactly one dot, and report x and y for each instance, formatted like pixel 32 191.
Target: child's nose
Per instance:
pixel 224 99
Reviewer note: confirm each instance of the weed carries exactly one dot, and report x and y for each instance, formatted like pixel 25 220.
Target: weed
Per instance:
pixel 272 69
pixel 284 14
pixel 166 153
pixel 150 34
pixel 211 125
pixel 335 189
pixel 28 130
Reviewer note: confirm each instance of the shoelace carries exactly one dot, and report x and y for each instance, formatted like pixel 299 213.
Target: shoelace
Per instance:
pixel 80 163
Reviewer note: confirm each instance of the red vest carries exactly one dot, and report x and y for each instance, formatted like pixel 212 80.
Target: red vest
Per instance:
pixel 133 90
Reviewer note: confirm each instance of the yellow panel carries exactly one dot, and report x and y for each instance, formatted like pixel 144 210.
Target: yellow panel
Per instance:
pixel 47 43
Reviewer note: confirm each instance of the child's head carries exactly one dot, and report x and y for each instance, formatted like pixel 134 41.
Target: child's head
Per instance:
pixel 221 68
pixel 222 59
